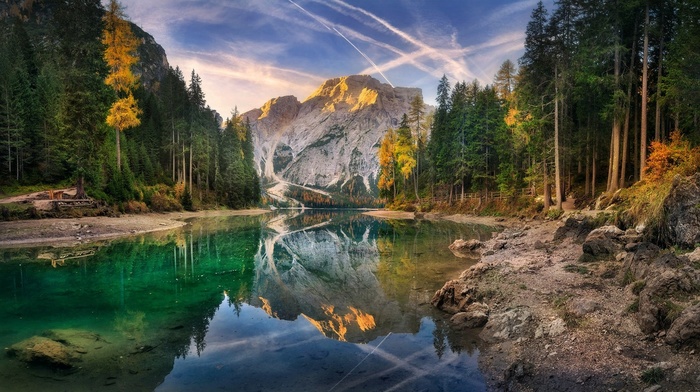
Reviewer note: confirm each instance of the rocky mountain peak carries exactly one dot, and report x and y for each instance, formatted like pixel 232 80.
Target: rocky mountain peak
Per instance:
pixel 330 140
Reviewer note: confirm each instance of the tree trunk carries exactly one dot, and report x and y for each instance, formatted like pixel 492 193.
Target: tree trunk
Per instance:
pixel 626 131
pixel 615 138
pixel 119 152
pixel 645 81
pixel 80 188
pixel 545 185
pixel 657 119
pixel 594 171
pixel 557 166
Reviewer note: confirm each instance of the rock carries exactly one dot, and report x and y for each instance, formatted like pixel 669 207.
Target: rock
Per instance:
pixel 603 241
pixel 509 325
pixel 466 249
pixel 580 307
pixel 453 297
pixel 653 388
pixel 639 259
pixel 40 350
pixel 554 328
pixel 499 245
pixel 517 370
pixel 575 227
pixel 470 245
pixel 692 257
pixel 686 328
pixel 540 245
pixel 681 225
pixel 656 306
pixel 475 316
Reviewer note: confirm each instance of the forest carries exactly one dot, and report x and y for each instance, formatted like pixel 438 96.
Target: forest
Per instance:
pixel 607 93
pixel 73 111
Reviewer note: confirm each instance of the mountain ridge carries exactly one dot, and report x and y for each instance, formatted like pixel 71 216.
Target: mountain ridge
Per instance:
pixel 330 140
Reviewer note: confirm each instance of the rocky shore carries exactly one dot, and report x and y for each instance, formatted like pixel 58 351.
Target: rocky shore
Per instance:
pixel 565 305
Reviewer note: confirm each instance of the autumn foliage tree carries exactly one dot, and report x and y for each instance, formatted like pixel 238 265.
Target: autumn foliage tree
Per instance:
pixel 387 164
pixel 120 56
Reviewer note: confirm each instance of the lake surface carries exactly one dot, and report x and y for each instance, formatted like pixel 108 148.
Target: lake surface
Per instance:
pixel 298 301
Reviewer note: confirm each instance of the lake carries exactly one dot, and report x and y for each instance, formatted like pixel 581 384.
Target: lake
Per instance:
pixel 287 301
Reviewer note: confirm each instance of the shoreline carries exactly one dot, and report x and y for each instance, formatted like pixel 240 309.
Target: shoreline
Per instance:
pixel 68 232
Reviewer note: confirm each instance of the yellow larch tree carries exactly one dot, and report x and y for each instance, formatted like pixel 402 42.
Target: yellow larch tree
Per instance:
pixel 120 55
pixel 387 163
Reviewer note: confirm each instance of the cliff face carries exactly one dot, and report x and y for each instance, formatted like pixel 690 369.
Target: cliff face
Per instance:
pixel 331 139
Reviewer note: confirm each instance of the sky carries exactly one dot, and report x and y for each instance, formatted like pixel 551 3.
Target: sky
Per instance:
pixel 250 51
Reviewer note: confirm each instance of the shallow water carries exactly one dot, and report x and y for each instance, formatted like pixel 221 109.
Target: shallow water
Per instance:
pixel 312 301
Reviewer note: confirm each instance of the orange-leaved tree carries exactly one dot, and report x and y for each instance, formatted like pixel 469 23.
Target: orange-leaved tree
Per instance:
pixel 120 55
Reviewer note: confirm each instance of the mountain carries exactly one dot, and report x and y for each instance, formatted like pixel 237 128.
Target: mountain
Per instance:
pixel 37 16
pixel 330 140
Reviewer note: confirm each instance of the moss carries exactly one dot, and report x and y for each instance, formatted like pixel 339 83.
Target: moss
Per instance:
pixel 573 268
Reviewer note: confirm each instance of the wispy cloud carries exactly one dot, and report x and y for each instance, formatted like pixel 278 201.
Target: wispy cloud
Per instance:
pixel 248 51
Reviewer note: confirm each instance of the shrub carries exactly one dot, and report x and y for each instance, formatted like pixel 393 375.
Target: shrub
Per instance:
pixel 652 375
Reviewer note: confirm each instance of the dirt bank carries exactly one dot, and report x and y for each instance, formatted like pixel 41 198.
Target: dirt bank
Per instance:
pixel 558 324
pixel 73 231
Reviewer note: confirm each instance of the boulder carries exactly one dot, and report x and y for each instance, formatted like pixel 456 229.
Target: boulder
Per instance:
pixel 681 225
pixel 576 228
pixel 40 350
pixel 604 241
pixel 475 316
pixel 466 248
pixel 656 305
pixel 453 297
pixel 509 325
pixel 686 328
pixel 580 307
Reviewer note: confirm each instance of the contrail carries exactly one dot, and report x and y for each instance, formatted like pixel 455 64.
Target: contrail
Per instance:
pixel 345 38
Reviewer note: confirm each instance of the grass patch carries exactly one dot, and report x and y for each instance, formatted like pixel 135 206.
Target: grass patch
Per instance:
pixel 579 269
pixel 627 278
pixel 638 286
pixel 652 375
pixel 633 307
pixel 522 287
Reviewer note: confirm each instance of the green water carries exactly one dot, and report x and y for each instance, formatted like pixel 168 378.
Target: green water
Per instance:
pixel 311 301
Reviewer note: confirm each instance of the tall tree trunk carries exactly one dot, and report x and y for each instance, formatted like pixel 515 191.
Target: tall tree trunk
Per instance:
pixel 545 184
pixel 557 166
pixel 615 138
pixel 645 81
pixel 626 131
pixel 588 152
pixel 119 151
pixel 595 168
pixel 636 140
pixel 657 119
pixel 191 148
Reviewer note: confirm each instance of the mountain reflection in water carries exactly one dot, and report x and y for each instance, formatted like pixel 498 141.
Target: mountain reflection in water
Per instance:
pixel 218 305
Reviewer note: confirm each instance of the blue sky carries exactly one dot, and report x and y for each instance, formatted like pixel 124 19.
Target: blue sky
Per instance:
pixel 248 51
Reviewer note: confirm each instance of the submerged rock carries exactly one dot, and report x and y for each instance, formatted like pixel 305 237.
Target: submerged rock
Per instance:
pixel 44 351
pixel 466 248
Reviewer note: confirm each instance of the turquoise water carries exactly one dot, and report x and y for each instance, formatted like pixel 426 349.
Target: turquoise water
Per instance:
pixel 312 301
